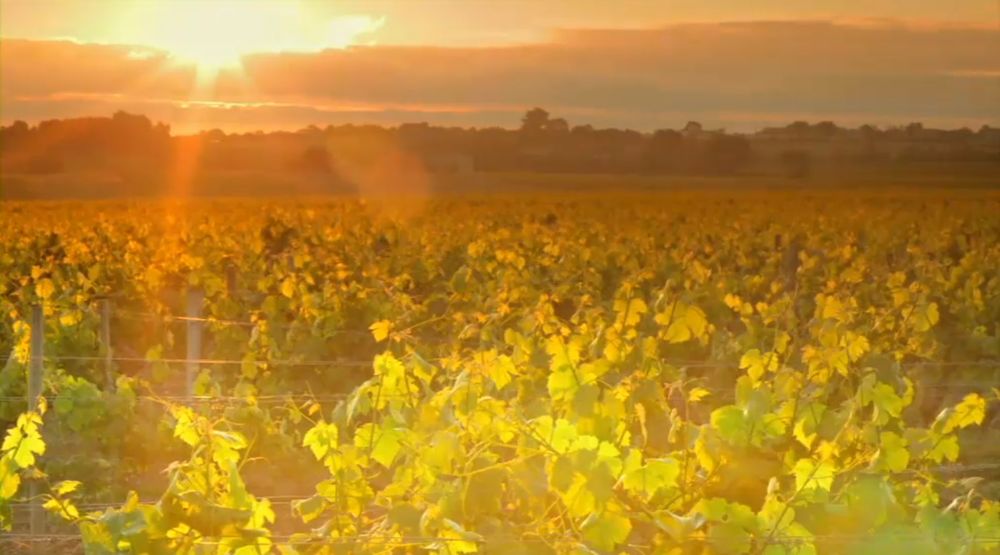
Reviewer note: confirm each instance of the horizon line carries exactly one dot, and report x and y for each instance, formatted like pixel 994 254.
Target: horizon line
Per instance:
pixel 34 123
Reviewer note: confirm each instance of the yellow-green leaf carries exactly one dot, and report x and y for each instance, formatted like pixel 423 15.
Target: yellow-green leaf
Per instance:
pixel 383 442
pixel 23 442
pixel 65 487
pixel 45 288
pixel 321 439
pixel 288 287
pixel 756 364
pixel 944 448
pixel 732 424
pixel 808 423
pixel 683 322
pixel 501 370
pixel 892 454
pixel 653 476
pixel 380 329
pixel 10 480
pixel 62 508
pixel 630 313
pixel 925 316
pixel 969 412
pixel 607 530
pixel 697 394
pixel 186 428
pixel 810 475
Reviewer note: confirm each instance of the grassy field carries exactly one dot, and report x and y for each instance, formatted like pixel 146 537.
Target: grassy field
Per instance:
pixel 96 185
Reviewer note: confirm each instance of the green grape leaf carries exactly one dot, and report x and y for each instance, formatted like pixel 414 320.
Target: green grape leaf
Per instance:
pixel 892 454
pixel 45 288
pixel 944 448
pixel 561 473
pixel 309 509
pixel 869 500
pixel 757 364
pixel 806 426
pixel 23 442
pixel 810 475
pixel 925 316
pixel 655 475
pixel 630 313
pixel 564 435
pixel 578 498
pixel 186 426
pixel 683 322
pixel 380 330
pixel 321 439
pixel 970 411
pixel 857 346
pixel 501 370
pixel 384 442
pixel 562 384
pixel 732 425
pixel 726 537
pixel 10 480
pixel 65 487
pixel 288 287
pixel 697 394
pixel 606 530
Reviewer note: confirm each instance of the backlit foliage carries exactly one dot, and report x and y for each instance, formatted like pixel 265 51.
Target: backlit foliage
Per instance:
pixel 685 374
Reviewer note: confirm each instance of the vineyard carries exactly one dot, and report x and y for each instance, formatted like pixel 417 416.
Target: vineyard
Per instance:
pixel 726 373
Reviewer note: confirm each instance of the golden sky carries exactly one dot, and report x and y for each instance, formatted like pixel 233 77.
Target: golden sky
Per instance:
pixel 248 64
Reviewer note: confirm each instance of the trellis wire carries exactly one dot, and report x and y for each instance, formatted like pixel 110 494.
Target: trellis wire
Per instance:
pixel 167 318
pixel 214 361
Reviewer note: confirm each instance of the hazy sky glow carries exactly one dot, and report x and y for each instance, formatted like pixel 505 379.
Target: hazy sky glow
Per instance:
pixel 253 64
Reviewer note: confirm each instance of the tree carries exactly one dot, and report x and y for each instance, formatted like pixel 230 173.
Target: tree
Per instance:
pixel 869 132
pixel 19 127
pixel 692 128
pixel 799 128
pixel 557 125
pixel 314 159
pixel 662 151
pixel 214 135
pixel 797 163
pixel 914 129
pixel 13 135
pixel 826 129
pixel 534 120
pixel 726 154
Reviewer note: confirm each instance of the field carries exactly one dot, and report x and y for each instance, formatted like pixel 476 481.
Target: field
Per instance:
pixel 927 178
pixel 694 372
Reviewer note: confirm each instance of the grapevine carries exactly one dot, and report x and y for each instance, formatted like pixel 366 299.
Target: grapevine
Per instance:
pixel 698 373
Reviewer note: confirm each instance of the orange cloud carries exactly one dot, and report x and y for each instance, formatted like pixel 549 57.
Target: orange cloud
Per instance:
pixel 725 74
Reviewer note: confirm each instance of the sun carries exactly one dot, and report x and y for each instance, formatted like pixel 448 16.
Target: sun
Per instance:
pixel 217 34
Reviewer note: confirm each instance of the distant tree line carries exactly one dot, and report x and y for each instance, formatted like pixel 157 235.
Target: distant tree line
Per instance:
pixel 132 146
pixel 123 144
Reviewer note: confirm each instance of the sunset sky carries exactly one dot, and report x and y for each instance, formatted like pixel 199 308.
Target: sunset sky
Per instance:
pixel 256 64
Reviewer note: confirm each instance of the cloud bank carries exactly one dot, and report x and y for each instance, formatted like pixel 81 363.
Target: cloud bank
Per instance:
pixel 737 75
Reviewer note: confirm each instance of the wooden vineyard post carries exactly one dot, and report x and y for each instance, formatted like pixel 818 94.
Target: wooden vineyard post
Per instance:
pixel 109 378
pixel 195 299
pixel 36 370
pixel 231 279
